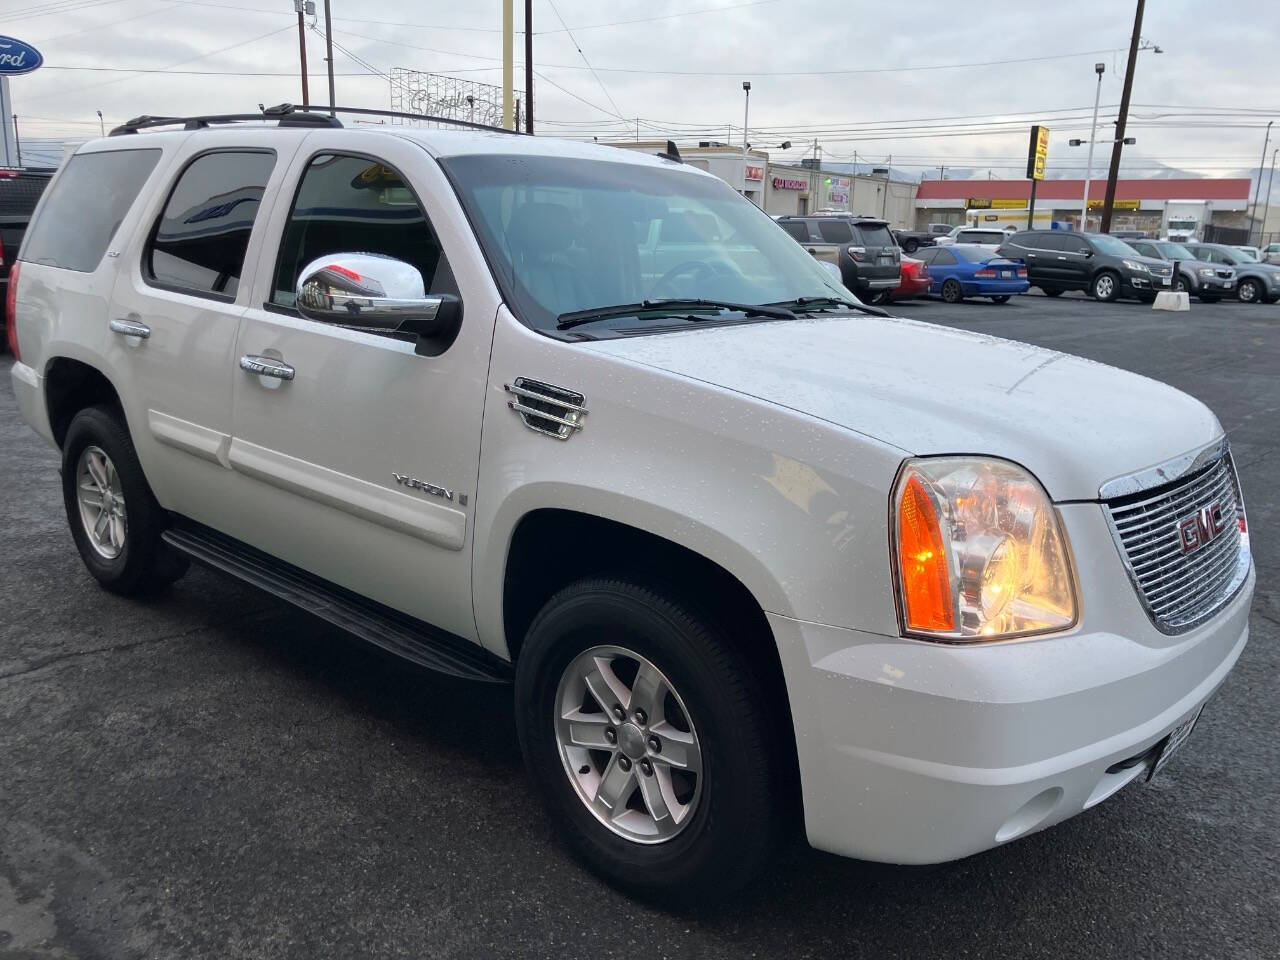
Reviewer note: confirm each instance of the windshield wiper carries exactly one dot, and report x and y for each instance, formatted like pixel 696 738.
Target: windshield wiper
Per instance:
pixel 820 303
pixel 576 318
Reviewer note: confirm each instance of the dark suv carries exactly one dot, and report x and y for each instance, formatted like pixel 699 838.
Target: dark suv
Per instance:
pixel 19 192
pixel 1103 266
pixel 862 247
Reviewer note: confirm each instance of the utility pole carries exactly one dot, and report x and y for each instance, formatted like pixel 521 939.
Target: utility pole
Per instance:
pixel 1122 119
pixel 301 7
pixel 328 50
pixel 1266 207
pixel 508 64
pixel 17 146
pixel 746 112
pixel 1258 186
pixel 1099 68
pixel 528 66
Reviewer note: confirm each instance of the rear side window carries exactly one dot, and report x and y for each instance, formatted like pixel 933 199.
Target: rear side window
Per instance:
pixel 200 241
pixel 876 235
pixel 943 258
pixel 1045 241
pixel 85 207
pixel 835 231
pixel 797 228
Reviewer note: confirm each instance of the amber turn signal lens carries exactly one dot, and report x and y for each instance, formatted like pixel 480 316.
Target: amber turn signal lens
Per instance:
pixel 922 560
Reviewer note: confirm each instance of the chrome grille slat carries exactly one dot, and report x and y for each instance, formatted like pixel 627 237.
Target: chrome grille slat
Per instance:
pixel 1181 588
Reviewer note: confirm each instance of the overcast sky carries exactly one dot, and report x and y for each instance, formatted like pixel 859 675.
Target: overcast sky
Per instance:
pixel 915 81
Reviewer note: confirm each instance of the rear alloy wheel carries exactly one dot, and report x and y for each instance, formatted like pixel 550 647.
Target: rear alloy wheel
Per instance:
pixel 952 292
pixel 1249 291
pixel 1106 286
pixel 1000 299
pixel 651 740
pixel 115 520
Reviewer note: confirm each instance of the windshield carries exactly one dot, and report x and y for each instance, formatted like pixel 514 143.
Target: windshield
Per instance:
pixel 1182 224
pixel 1113 246
pixel 569 235
pixel 1175 251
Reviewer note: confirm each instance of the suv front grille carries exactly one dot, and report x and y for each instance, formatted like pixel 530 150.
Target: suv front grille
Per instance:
pixel 1183 569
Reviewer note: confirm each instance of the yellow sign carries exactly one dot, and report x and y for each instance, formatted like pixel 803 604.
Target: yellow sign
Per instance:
pixel 998 203
pixel 1117 205
pixel 1038 152
pixel 1012 203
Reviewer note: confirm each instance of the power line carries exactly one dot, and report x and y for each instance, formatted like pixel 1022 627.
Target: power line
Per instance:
pixel 577 46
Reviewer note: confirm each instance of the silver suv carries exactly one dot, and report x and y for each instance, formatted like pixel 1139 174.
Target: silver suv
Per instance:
pixel 754 559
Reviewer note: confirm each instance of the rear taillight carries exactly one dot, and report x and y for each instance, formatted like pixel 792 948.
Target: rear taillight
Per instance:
pixel 858 253
pixel 985 272
pixel 1022 272
pixel 924 271
pixel 11 311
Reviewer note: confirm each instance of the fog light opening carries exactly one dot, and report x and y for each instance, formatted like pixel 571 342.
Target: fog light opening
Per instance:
pixel 1030 815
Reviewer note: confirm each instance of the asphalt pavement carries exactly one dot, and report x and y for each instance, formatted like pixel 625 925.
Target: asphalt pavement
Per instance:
pixel 213 775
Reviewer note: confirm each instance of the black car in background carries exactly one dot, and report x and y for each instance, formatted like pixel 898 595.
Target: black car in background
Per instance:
pixel 20 190
pixel 1256 282
pixel 1207 281
pixel 863 248
pixel 1101 265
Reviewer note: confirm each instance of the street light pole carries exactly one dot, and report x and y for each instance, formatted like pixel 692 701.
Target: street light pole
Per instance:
pixel 102 127
pixel 1266 207
pixel 528 66
pixel 1100 68
pixel 746 112
pixel 1258 186
pixel 1123 118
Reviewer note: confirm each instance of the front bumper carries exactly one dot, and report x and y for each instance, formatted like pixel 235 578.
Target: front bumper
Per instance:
pixel 1146 283
pixel 996 287
pixel 1215 285
pixel 913 752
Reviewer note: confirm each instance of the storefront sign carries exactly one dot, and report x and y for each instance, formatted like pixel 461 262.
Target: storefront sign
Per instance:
pixel 837 190
pixel 999 203
pixel 782 183
pixel 17 57
pixel 1117 204
pixel 1038 152
pixel 755 173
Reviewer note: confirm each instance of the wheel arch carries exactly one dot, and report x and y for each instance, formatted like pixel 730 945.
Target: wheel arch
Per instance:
pixel 70 385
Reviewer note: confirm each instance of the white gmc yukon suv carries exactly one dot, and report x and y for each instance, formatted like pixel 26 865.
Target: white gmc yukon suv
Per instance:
pixel 585 421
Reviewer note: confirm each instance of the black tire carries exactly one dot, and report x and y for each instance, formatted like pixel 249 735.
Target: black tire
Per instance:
pixel 1181 286
pixel 879 297
pixel 952 292
pixel 1000 299
pixel 737 822
pixel 911 245
pixel 1051 291
pixel 1105 287
pixel 143 564
pixel 1209 298
pixel 1250 290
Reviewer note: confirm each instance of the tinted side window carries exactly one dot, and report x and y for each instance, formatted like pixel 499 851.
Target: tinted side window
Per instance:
pixel 835 231
pixel 356 205
pixel 201 238
pixel 797 228
pixel 85 207
pixel 927 254
pixel 1072 244
pixel 943 257
pixel 1044 241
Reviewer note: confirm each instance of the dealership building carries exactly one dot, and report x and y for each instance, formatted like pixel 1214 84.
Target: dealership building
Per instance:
pixel 1139 204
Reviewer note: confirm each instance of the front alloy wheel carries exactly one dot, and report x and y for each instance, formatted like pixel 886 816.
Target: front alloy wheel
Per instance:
pixel 1106 287
pixel 627 744
pixel 1249 291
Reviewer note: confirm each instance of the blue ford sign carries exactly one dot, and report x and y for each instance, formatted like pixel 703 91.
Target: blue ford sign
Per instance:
pixel 17 57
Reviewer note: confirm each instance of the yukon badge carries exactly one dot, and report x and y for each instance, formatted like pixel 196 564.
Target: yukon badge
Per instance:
pixel 413 483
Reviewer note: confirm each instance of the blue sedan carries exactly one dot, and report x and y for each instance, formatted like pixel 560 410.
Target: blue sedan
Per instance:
pixel 972 270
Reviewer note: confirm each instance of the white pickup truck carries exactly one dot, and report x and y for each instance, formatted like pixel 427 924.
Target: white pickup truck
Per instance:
pixel 752 556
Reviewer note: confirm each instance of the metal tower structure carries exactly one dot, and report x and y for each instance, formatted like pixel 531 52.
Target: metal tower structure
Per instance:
pixel 417 91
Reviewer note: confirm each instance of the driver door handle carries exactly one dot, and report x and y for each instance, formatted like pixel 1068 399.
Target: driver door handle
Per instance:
pixel 130 328
pixel 266 367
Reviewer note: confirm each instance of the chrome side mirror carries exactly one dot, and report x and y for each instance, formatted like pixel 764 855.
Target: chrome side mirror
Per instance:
pixel 373 292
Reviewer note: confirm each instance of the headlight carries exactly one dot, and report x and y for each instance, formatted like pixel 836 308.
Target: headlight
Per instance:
pixel 1136 266
pixel 979 552
pixel 1205 272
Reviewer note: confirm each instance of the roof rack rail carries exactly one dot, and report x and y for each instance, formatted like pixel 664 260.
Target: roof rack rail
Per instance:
pixel 290 115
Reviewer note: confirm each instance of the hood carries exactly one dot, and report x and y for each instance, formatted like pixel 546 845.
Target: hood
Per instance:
pixel 933 390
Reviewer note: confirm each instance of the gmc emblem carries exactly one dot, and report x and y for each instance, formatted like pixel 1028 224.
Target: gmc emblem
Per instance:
pixel 1201 527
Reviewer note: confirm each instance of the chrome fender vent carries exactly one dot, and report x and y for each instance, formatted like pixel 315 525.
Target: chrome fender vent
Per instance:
pixel 548 409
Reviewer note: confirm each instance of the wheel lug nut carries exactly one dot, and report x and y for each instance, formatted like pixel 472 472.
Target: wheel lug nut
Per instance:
pixel 611 735
pixel 646 768
pixel 641 717
pixel 624 763
pixel 619 712
pixel 655 744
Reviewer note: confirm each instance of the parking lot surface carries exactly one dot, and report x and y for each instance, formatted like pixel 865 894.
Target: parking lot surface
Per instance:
pixel 211 774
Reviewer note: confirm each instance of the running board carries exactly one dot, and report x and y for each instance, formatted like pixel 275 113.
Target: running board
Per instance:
pixel 394 632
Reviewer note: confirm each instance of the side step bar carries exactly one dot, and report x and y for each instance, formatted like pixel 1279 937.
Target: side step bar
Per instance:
pixel 394 632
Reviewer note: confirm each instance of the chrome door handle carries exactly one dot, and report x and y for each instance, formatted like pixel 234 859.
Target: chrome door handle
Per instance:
pixel 130 328
pixel 266 367
pixel 1062 258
